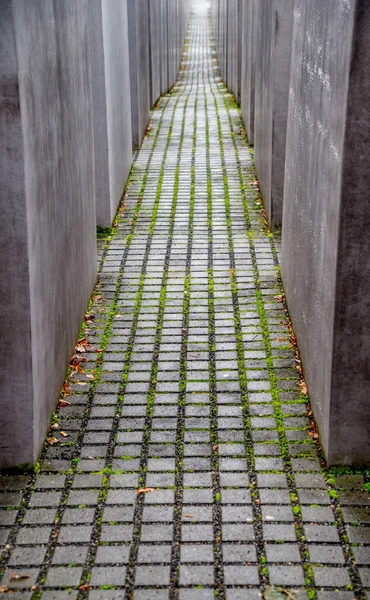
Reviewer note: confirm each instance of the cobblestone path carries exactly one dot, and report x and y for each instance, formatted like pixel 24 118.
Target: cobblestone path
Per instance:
pixel 190 389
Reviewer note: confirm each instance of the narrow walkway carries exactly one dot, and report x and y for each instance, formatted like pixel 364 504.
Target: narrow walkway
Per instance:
pixel 183 466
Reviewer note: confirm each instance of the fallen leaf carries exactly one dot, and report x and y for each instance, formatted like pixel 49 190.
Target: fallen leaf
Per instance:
pixel 145 490
pixel 63 433
pixel 18 576
pixel 82 345
pixel 90 376
pixel 67 389
pixel 52 440
pixel 55 426
pixel 64 403
pixel 34 587
pixel 84 587
pixel 190 516
pixel 279 298
pixel 280 339
pixel 3 589
pixel 89 317
pixel 303 386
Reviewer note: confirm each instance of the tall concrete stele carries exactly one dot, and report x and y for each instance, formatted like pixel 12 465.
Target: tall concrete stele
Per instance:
pixel 110 80
pixel 326 224
pixel 273 22
pixel 47 204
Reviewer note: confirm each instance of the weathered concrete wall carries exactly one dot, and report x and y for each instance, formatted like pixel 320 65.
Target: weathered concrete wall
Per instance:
pixel 108 37
pixel 233 72
pixel 274 23
pixel 164 47
pixel 248 60
pixel 48 241
pixel 156 41
pixel 326 242
pixel 138 32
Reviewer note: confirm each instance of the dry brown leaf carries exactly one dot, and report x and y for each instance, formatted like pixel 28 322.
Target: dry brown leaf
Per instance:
pixel 303 386
pixel 84 587
pixel 3 589
pixel 52 440
pixel 64 403
pixel 190 516
pixel 280 339
pixel 18 576
pixel 63 433
pixel 89 376
pixel 55 426
pixel 145 490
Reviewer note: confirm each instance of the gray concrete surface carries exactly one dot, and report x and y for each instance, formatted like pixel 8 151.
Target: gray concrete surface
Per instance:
pixel 48 241
pixel 274 22
pixel 248 67
pixel 164 47
pixel 326 242
pixel 138 33
pixel 110 79
pixel 155 45
pixel 234 47
pixel 171 41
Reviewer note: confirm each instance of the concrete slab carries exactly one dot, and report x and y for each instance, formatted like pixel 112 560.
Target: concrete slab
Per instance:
pixel 326 242
pixel 155 44
pixel 48 241
pixel 164 47
pixel 138 34
pixel 108 37
pixel 274 23
pixel 233 73
pixel 248 67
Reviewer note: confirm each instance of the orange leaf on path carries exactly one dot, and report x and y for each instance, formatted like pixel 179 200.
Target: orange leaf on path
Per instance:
pixel 145 490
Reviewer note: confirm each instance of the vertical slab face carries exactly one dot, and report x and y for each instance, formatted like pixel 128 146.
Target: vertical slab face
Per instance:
pixel 164 47
pixel 58 201
pixel 138 32
pixel 108 38
pixel 248 57
pixel 325 255
pixel 350 406
pixel 16 397
pixel 274 22
pixel 233 47
pixel 171 40
pixel 155 50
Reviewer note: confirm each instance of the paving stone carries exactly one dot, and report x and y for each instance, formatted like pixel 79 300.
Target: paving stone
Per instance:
pixel 331 576
pixel 289 575
pixel 108 576
pixel 282 553
pixel 68 555
pixel 63 576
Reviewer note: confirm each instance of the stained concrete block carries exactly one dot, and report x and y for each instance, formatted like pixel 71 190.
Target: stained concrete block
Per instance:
pixel 155 50
pixel 138 36
pixel 164 47
pixel 48 239
pixel 326 242
pixel 233 73
pixel 171 40
pixel 223 44
pixel 248 67
pixel 108 37
pixel 274 23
